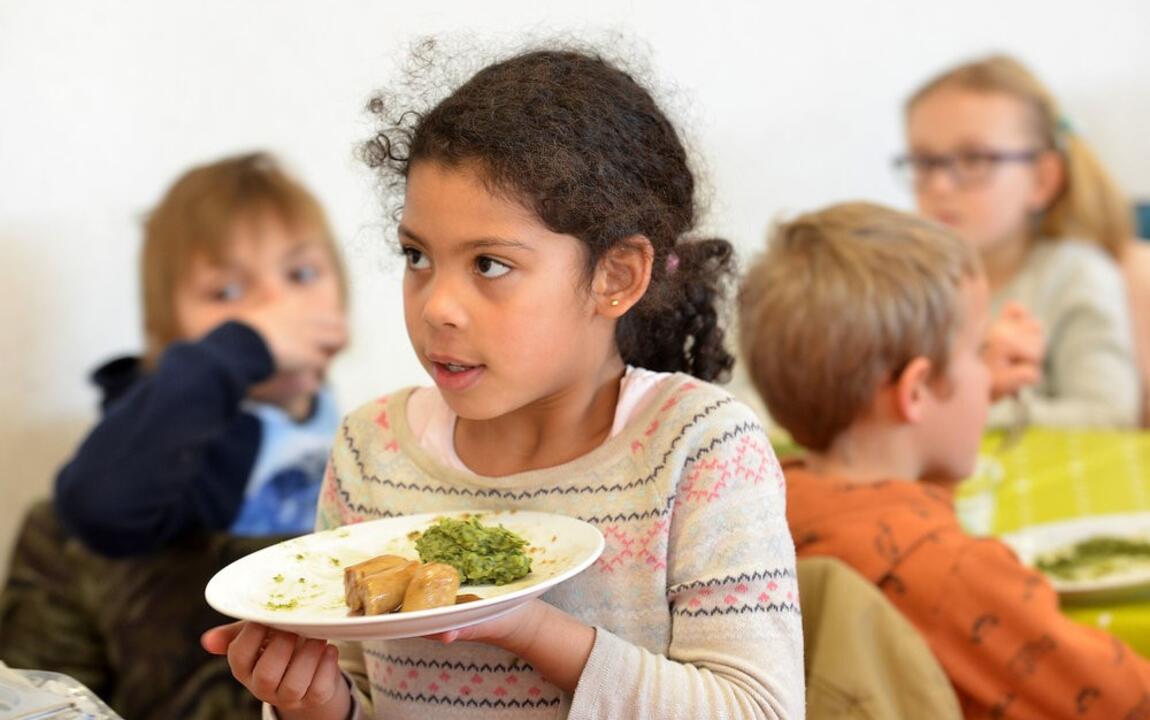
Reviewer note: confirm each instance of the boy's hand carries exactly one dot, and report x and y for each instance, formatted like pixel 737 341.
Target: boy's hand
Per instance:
pixel 299 676
pixel 1015 346
pixel 300 337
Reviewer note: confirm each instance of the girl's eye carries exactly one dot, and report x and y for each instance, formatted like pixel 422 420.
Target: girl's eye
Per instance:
pixel 974 161
pixel 490 267
pixel 228 293
pixel 416 260
pixel 303 274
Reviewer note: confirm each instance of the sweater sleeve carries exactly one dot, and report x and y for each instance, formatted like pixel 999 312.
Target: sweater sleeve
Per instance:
pixel 1091 373
pixel 736 637
pixel 173 454
pixel 1009 649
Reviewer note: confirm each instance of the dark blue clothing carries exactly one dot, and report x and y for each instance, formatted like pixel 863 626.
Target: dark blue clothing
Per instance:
pixel 175 447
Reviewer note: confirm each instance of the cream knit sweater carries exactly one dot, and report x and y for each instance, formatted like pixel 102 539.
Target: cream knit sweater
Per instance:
pixel 694 598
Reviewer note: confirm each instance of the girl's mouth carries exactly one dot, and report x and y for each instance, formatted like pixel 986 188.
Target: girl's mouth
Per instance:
pixel 456 377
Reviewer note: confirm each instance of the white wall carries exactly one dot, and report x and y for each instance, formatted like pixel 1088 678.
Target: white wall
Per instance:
pixel 792 105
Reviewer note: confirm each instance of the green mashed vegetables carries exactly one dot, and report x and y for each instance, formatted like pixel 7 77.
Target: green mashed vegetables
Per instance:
pixel 1096 558
pixel 481 554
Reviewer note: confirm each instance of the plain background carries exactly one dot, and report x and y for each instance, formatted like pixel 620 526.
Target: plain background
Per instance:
pixel 789 105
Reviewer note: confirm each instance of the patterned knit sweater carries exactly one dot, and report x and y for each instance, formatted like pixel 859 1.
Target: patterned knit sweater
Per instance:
pixel 694 598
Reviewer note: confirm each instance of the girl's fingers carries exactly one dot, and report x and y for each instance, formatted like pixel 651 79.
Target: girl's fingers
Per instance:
pixel 327 679
pixel 217 639
pixel 449 636
pixel 272 664
pixel 301 671
pixel 245 650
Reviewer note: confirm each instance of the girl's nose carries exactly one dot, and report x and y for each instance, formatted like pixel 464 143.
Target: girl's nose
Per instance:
pixel 936 180
pixel 443 303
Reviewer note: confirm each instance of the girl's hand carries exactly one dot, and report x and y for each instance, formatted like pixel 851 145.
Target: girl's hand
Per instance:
pixel 514 631
pixel 299 676
pixel 1015 346
pixel 553 642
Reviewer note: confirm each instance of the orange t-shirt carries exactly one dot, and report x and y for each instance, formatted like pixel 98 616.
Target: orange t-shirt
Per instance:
pixel 992 622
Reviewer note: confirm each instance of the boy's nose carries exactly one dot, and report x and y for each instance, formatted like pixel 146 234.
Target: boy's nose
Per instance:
pixel 267 293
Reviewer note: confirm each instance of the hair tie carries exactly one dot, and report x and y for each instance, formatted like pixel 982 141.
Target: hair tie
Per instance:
pixel 672 263
pixel 1063 131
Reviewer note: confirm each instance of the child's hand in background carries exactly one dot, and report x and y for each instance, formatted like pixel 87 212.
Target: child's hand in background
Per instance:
pixel 300 336
pixel 299 677
pixel 1015 346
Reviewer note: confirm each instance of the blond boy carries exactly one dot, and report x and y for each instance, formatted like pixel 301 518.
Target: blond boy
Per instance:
pixel 863 328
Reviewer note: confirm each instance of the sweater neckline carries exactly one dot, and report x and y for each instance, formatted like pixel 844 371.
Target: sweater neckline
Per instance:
pixel 397 412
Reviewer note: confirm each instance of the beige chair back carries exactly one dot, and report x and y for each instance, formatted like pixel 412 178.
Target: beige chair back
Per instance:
pixel 863 658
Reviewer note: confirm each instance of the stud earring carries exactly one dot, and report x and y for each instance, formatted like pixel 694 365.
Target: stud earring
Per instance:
pixel 614 302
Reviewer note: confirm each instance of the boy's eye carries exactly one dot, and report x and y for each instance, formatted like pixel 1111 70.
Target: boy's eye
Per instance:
pixel 303 274
pixel 228 293
pixel 490 267
pixel 416 260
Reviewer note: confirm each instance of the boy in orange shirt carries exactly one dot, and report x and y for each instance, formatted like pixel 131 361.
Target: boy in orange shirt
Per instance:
pixel 863 329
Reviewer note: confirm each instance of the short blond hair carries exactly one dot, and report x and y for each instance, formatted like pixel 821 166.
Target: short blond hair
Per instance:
pixel 842 300
pixel 195 218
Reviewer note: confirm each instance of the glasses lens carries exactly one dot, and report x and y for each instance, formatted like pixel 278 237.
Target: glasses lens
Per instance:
pixel 904 168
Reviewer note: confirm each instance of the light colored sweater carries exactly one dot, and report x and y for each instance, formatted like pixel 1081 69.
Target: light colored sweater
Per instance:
pixel 694 598
pixel 1090 376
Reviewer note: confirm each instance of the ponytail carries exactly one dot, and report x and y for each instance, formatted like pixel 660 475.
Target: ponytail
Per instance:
pixel 1090 204
pixel 677 326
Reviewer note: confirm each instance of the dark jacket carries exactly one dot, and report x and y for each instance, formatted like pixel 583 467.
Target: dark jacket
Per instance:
pixel 173 451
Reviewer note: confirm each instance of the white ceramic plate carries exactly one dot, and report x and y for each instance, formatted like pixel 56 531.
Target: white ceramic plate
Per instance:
pixel 297 585
pixel 1127 583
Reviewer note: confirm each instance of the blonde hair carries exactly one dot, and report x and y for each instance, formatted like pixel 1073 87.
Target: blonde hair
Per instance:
pixel 842 300
pixel 196 217
pixel 1089 206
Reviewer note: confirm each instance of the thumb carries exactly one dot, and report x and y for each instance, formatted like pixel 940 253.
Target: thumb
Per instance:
pixel 1015 310
pixel 217 639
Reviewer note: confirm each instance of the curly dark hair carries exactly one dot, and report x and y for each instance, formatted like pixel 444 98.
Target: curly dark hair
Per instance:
pixel 582 144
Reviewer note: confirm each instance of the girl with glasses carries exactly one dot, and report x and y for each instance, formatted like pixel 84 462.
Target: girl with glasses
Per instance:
pixel 991 156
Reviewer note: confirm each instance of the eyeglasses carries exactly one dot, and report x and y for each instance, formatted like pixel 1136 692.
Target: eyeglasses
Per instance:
pixel 966 168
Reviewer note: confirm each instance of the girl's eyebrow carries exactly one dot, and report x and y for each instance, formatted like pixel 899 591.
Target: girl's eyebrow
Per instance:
pixel 478 243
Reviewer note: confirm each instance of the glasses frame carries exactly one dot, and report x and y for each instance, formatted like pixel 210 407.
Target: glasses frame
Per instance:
pixel 918 167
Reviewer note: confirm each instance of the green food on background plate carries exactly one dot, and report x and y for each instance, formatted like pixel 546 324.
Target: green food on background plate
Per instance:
pixel 1095 558
pixel 481 554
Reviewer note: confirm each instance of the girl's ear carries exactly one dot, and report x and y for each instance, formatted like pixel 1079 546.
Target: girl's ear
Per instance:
pixel 911 390
pixel 1049 178
pixel 622 276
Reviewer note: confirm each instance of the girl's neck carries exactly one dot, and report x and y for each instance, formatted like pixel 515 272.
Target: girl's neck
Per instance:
pixel 1004 259
pixel 551 432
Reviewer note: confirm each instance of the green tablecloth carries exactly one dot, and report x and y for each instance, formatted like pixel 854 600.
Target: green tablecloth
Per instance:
pixel 1050 475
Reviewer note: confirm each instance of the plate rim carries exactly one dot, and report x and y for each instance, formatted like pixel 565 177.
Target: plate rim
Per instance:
pixel 1079 587
pixel 352 622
